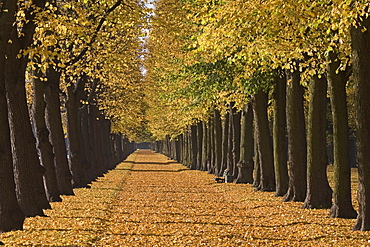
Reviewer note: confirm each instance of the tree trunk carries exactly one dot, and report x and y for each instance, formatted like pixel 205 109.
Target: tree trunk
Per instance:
pixel 225 142
pixel 218 142
pixel 43 144
pixel 199 145
pixel 264 142
pixel 181 148
pixel 257 163
pixel 11 215
pixel 245 164
pixel 236 141
pixel 279 135
pixel 211 138
pixel 342 203
pixel 27 169
pixel 297 147
pixel 74 138
pixel 57 138
pixel 319 193
pixel 194 147
pixel 361 77
pixel 204 147
pixel 230 139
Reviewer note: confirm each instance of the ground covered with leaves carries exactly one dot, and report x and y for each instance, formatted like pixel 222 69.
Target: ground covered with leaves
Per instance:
pixel 149 200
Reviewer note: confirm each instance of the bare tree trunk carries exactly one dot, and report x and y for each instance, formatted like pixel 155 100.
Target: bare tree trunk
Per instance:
pixel 27 169
pixel 218 142
pixel 361 77
pixel 11 215
pixel 342 203
pixel 225 142
pixel 297 144
pixel 319 192
pixel 245 164
pixel 55 127
pixel 43 144
pixel 76 157
pixel 199 145
pixel 264 142
pixel 279 135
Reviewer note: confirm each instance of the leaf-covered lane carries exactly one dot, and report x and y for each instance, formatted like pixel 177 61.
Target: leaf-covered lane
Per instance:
pixel 149 200
pixel 78 220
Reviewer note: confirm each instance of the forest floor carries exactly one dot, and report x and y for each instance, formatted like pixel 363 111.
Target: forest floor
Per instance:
pixel 149 200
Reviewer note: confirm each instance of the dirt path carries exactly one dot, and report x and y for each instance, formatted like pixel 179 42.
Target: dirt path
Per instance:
pixel 149 200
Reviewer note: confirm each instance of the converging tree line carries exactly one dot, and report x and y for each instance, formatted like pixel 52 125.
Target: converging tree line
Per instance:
pixel 255 87
pixel 246 87
pixel 54 63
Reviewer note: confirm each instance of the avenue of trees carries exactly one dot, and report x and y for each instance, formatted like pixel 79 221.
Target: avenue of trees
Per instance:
pixel 69 72
pixel 245 86
pixel 215 84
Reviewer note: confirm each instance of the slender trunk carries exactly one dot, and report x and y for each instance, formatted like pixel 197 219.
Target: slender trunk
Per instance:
pixel 57 138
pixel 211 169
pixel 225 142
pixel 178 149
pixel 199 145
pixel 194 147
pixel 361 77
pixel 230 149
pixel 43 144
pixel 181 144
pixel 297 145
pixel 236 141
pixel 245 164
pixel 257 163
pixel 279 135
pixel 342 199
pixel 218 142
pixel 204 147
pixel 264 142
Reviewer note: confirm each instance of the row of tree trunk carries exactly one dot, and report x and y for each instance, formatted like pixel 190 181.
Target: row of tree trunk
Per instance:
pixel 287 156
pixel 36 163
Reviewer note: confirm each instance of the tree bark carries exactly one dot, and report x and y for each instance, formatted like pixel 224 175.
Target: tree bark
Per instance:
pixel 225 142
pixel 11 215
pixel 204 147
pixel 194 147
pixel 361 77
pixel 245 164
pixel 55 127
pixel 279 136
pixel 342 198
pixel 43 144
pixel 257 163
pixel 230 139
pixel 27 169
pixel 319 193
pixel 211 137
pixel 199 145
pixel 218 142
pixel 264 142
pixel 236 141
pixel 297 144
pixel 74 134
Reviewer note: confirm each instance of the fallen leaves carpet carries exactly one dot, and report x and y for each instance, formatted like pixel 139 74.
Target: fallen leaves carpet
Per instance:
pixel 149 200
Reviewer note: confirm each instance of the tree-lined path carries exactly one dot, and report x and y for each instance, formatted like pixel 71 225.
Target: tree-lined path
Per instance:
pixel 149 200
